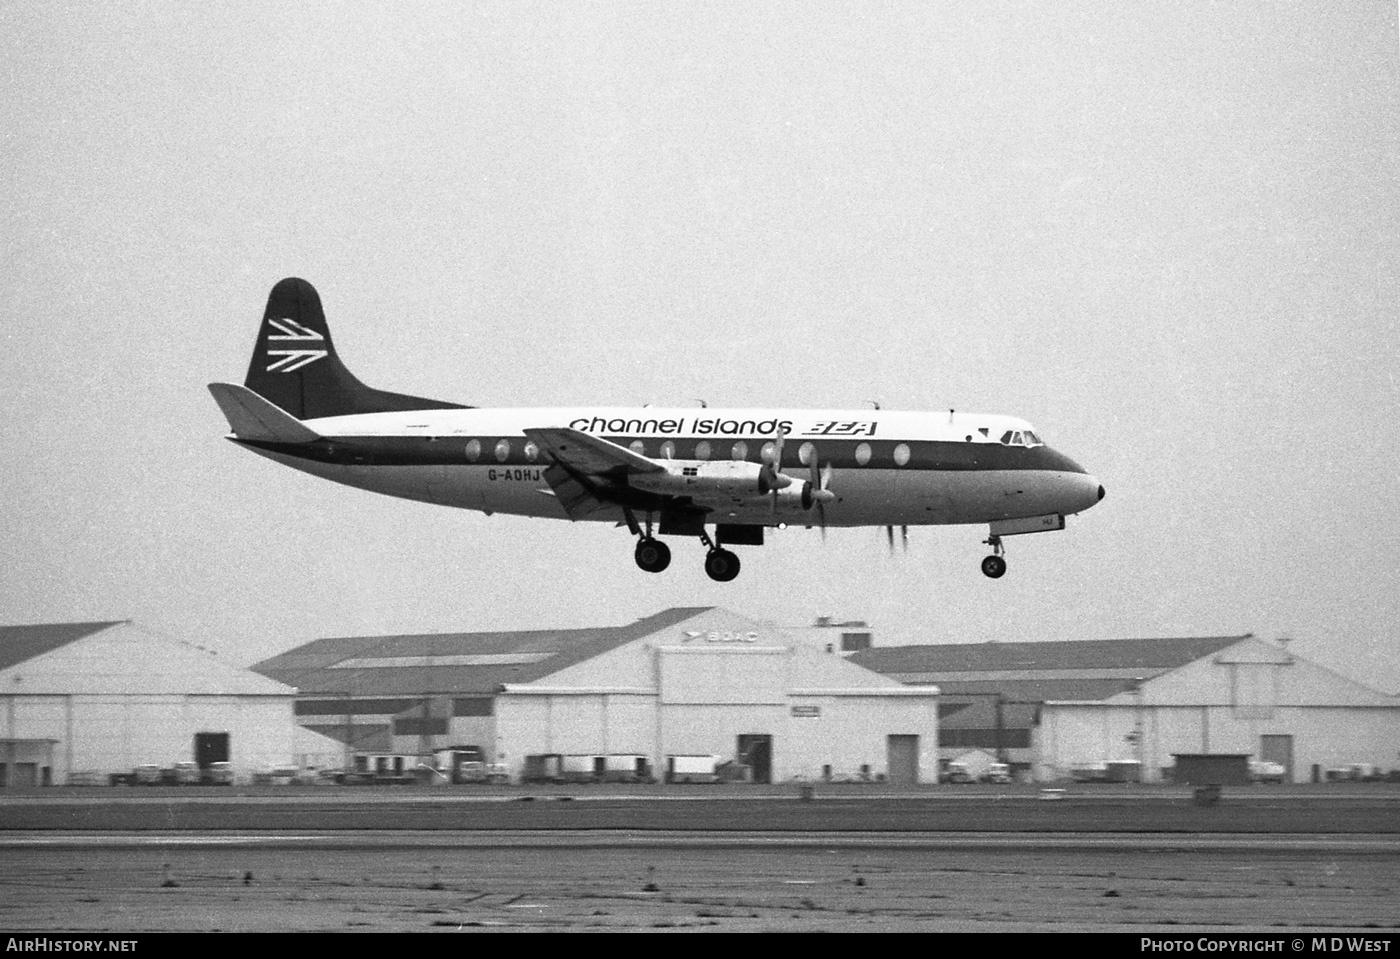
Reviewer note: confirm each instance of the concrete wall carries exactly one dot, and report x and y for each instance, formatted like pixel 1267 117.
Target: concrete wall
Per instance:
pixel 1323 736
pixel 107 734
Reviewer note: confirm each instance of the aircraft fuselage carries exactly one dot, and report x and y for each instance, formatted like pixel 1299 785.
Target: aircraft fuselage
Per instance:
pixel 884 467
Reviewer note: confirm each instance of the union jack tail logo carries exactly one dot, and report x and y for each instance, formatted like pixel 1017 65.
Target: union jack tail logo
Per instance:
pixel 291 360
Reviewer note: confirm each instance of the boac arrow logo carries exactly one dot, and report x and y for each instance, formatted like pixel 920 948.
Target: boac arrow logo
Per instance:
pixel 292 359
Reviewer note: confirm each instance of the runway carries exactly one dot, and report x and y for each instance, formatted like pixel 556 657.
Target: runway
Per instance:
pixel 402 860
pixel 572 839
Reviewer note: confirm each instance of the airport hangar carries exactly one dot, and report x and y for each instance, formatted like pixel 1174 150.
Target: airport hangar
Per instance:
pixel 81 701
pixel 1059 710
pixel 682 683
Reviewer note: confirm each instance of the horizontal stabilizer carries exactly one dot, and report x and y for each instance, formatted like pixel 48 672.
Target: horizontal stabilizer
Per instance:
pixel 253 418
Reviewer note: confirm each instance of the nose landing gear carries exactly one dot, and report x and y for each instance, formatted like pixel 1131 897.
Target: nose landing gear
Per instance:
pixel 994 566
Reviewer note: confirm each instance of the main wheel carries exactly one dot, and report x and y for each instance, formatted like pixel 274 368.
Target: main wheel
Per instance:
pixel 994 566
pixel 721 565
pixel 653 555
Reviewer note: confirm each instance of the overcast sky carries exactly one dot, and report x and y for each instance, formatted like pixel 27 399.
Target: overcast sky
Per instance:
pixel 1166 234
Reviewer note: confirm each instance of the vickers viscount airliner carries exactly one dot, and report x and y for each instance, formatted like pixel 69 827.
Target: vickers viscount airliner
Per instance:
pixel 659 472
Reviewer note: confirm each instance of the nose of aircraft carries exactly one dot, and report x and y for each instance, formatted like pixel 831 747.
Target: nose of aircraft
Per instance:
pixel 1092 491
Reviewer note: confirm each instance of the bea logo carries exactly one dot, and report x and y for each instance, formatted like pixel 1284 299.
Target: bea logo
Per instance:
pixel 720 636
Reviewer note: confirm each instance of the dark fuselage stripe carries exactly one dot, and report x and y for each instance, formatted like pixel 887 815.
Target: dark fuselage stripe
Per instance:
pixel 937 455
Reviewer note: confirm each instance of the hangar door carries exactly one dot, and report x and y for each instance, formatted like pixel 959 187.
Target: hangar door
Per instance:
pixel 902 759
pixel 756 752
pixel 210 748
pixel 1278 749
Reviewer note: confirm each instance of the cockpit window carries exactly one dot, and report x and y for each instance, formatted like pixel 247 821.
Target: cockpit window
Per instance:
pixel 1020 438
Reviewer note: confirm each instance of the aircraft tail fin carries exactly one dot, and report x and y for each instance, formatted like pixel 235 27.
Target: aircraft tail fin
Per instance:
pixel 295 366
pixel 253 418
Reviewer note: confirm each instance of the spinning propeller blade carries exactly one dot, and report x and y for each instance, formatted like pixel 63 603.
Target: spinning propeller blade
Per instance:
pixel 903 538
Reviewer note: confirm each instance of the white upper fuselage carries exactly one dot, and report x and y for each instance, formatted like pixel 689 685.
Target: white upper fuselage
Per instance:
pixel 883 467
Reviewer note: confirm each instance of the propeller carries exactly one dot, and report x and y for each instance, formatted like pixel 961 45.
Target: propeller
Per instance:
pixel 815 492
pixel 903 537
pixel 770 474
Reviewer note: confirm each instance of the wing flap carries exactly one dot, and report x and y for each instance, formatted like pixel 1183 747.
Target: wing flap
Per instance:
pixel 579 500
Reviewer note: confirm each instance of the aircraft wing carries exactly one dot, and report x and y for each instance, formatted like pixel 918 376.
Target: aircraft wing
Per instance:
pixel 590 474
pixel 589 455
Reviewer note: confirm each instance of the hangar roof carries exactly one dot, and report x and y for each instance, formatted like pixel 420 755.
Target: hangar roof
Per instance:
pixel 451 663
pixel 1078 670
pixel 1036 690
pixel 21 643
pixel 119 657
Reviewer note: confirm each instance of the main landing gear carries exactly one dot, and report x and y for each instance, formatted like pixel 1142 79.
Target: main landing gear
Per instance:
pixel 720 564
pixel 994 566
pixel 652 555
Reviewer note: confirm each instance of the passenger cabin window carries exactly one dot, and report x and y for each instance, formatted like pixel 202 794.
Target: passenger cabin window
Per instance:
pixel 740 451
pixel 503 450
pixel 702 450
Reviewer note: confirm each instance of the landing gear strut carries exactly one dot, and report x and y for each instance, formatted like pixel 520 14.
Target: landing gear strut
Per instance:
pixel 994 566
pixel 720 564
pixel 652 555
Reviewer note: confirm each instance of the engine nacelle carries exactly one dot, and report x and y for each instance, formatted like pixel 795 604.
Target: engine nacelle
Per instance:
pixel 725 477
pixel 743 481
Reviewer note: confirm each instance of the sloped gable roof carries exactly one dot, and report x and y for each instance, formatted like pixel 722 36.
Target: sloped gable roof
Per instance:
pixel 1038 690
pixel 21 643
pixel 1129 657
pixel 451 663
pixel 126 658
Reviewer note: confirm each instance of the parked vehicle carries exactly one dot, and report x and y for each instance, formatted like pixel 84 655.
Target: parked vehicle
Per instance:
pixel 217 774
pixel 959 773
pixel 543 768
pixel 1266 772
pixel 147 774
pixel 185 774
pixel 277 776
pixel 477 771
pixel 692 769
pixel 997 773
pixel 1089 773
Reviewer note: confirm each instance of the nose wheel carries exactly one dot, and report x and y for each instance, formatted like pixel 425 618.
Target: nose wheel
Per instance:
pixel 994 566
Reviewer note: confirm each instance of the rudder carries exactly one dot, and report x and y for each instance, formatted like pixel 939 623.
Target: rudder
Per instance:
pixel 295 365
